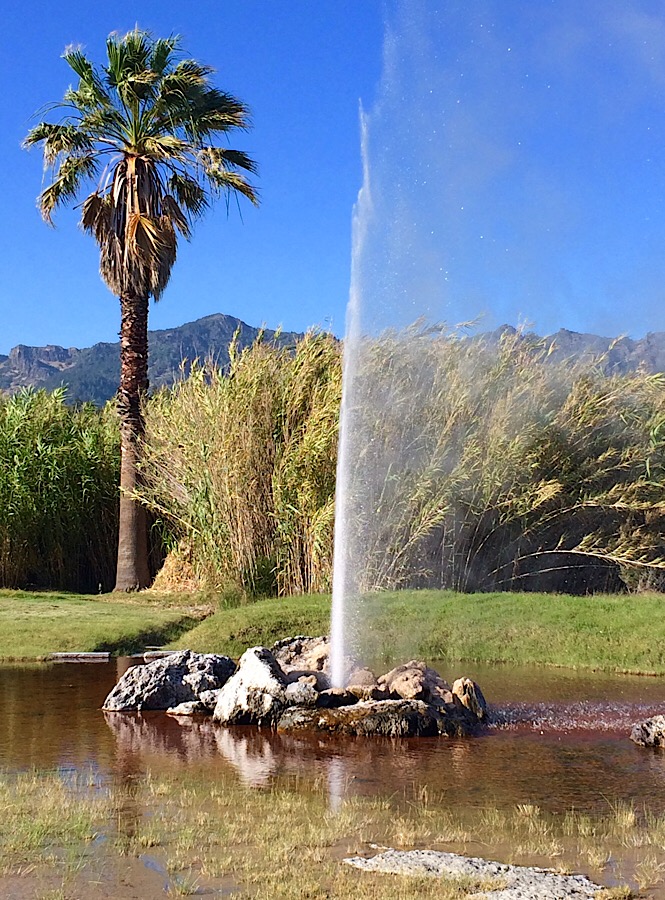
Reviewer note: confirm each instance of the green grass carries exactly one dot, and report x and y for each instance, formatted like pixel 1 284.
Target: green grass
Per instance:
pixel 232 631
pixel 215 835
pixel 624 633
pixel 32 625
pixel 614 633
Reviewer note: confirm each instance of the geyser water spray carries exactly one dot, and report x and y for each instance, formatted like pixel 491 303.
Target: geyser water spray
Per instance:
pixel 513 176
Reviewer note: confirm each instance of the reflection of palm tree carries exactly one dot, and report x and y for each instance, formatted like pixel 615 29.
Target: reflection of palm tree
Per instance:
pixel 143 126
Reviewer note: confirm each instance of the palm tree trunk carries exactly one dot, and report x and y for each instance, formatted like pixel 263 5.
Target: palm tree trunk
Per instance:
pixel 133 572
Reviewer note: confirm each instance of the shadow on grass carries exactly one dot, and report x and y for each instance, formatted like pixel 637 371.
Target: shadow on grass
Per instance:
pixel 156 636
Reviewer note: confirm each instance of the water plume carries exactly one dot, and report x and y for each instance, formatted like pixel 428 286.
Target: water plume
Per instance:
pixel 508 179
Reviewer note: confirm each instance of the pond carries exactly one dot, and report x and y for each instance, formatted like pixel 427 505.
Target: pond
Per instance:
pixel 563 746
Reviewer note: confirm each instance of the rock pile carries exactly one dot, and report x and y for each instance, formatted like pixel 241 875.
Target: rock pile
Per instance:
pixel 287 688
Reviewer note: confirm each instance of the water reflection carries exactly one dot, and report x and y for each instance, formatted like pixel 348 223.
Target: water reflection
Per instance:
pixel 556 771
pixel 564 743
pixel 50 716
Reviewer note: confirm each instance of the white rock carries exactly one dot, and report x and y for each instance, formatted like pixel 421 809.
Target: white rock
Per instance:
pixel 519 882
pixel 256 694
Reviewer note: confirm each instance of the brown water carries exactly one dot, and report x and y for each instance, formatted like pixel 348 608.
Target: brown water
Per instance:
pixel 561 742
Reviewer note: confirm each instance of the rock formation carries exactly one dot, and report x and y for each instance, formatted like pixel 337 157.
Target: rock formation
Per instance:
pixel 287 689
pixel 170 681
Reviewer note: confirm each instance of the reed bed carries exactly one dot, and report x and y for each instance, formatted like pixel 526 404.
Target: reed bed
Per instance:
pixel 486 462
pixel 59 473
pixel 241 467
pixel 481 463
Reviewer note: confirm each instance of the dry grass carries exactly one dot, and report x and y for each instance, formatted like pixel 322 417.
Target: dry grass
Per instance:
pixel 482 460
pixel 242 467
pixel 280 842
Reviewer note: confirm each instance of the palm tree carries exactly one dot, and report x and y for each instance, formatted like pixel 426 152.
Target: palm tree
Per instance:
pixel 139 131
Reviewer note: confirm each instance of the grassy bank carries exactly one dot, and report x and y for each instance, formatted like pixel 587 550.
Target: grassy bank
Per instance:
pixel 32 625
pixel 615 633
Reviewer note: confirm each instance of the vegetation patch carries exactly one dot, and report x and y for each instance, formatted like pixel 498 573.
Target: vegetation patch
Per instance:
pixel 495 465
pixel 59 471
pixel 199 834
pixel 621 633
pixel 32 625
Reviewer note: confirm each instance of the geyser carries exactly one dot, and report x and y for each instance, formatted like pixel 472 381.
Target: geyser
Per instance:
pixel 510 179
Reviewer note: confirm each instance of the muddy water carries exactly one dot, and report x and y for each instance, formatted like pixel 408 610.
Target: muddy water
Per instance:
pixel 562 742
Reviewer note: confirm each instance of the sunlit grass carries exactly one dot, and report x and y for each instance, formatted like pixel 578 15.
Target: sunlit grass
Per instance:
pixel 32 625
pixel 286 842
pixel 620 633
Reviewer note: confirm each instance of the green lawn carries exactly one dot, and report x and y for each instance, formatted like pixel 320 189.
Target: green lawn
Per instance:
pixel 617 633
pixel 32 625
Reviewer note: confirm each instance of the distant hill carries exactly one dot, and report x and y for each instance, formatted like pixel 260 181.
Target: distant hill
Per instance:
pixel 94 372
pixel 615 356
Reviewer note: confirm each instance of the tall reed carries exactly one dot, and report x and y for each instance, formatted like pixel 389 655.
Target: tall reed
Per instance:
pixel 241 465
pixel 59 470
pixel 482 462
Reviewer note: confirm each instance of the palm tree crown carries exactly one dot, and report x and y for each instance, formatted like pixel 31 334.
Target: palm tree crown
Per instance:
pixel 142 127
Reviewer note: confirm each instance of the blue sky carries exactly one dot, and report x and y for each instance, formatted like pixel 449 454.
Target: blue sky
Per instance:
pixel 301 67
pixel 516 151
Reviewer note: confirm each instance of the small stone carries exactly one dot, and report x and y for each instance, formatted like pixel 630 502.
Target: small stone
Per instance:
pixel 209 699
pixel 371 692
pixel 303 653
pixel 650 733
pixel 318 680
pixel 414 681
pixel 191 708
pixel 361 678
pixel 300 694
pixel 471 697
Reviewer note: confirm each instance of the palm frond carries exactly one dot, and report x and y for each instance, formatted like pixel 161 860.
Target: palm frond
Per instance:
pixel 231 182
pixel 144 120
pixel 237 159
pixel 91 89
pixel 188 193
pixel 58 139
pixel 162 53
pixel 65 186
pixel 167 148
pixel 173 213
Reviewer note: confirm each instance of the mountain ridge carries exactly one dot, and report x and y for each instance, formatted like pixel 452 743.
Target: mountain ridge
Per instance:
pixel 92 373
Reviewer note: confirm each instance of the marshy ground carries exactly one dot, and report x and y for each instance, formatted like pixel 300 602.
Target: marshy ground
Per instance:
pixel 110 820
pixel 69 837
